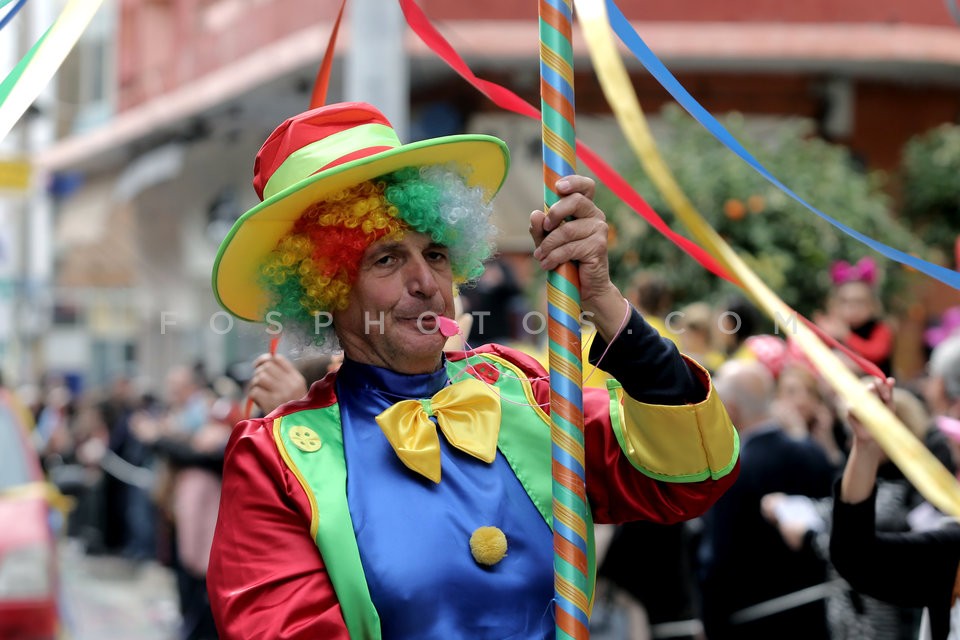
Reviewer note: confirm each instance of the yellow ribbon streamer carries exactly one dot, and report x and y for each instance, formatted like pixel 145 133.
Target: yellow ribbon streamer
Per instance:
pixel 64 34
pixel 43 490
pixel 467 412
pixel 916 462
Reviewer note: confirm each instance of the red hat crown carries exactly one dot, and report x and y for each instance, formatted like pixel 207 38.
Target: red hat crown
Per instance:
pixel 317 140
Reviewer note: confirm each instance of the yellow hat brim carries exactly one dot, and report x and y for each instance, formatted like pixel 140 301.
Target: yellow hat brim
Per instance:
pixel 236 271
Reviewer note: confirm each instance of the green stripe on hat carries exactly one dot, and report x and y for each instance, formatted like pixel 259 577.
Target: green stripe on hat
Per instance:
pixel 305 161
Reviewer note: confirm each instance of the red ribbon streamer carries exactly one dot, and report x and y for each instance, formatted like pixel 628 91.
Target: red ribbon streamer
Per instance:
pixel 319 96
pixel 509 101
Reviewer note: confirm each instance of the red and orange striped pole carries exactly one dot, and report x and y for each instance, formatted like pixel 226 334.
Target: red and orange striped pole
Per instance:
pixel 570 535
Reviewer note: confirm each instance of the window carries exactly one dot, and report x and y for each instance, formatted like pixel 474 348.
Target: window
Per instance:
pixel 86 86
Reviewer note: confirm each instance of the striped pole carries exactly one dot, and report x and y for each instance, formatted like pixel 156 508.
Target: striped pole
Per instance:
pixel 570 536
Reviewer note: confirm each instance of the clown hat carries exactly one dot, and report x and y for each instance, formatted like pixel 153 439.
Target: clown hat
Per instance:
pixel 321 152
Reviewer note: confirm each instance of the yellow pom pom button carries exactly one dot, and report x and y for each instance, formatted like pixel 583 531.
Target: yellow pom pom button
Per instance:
pixel 488 546
pixel 305 439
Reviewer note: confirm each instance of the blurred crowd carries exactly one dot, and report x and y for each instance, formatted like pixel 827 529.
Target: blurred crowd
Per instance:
pixel 758 565
pixel 145 471
pixel 145 467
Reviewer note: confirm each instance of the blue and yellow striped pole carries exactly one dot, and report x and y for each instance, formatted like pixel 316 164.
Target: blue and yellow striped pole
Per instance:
pixel 570 535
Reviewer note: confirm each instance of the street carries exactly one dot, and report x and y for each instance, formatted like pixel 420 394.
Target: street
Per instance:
pixel 110 598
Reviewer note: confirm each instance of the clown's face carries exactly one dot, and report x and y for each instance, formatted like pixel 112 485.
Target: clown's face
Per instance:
pixel 390 318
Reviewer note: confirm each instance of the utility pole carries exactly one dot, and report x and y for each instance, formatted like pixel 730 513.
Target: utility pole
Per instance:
pixel 378 71
pixel 14 236
pixel 39 131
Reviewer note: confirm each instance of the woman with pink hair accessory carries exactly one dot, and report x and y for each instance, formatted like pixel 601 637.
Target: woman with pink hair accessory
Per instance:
pixel 853 315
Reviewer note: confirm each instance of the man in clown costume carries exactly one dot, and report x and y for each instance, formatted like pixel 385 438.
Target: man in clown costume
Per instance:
pixel 408 495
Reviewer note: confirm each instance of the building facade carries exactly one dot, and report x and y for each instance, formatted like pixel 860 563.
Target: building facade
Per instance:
pixel 159 111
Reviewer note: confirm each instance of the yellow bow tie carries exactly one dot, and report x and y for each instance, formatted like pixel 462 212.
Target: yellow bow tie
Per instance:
pixel 468 413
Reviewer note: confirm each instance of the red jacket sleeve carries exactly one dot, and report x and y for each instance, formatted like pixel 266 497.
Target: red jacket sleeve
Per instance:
pixel 616 490
pixel 266 578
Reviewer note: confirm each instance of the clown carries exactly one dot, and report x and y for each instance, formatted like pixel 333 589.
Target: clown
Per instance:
pixel 408 495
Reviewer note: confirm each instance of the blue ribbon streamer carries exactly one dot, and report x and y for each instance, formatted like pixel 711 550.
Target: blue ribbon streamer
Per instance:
pixel 954 10
pixel 13 11
pixel 625 31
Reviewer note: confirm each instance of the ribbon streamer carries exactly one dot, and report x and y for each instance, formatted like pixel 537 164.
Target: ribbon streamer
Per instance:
pixel 509 101
pixel 625 31
pixel 25 82
pixel 318 97
pixel 917 463
pixel 40 490
pixel 13 11
pixel 954 10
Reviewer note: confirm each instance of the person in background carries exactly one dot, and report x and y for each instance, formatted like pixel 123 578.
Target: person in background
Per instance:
pixel 805 410
pixel 737 321
pixel 695 330
pixel 802 521
pixel 907 569
pixel 638 550
pixel 127 504
pixel 650 293
pixel 941 388
pixel 189 439
pixel 743 560
pixel 854 313
pixel 499 305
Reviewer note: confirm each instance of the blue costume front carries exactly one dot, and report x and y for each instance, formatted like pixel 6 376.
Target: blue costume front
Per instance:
pixel 430 525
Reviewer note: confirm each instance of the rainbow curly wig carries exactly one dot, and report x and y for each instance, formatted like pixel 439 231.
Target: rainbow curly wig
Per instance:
pixel 312 268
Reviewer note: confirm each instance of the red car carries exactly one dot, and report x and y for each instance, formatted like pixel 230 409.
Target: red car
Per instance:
pixel 28 559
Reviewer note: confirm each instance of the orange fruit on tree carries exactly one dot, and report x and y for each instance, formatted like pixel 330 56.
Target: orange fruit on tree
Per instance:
pixel 734 209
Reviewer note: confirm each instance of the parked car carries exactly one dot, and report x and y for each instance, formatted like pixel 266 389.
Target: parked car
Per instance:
pixel 28 559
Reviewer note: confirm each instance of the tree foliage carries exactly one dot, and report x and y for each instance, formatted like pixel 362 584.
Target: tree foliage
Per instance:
pixel 789 247
pixel 930 179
